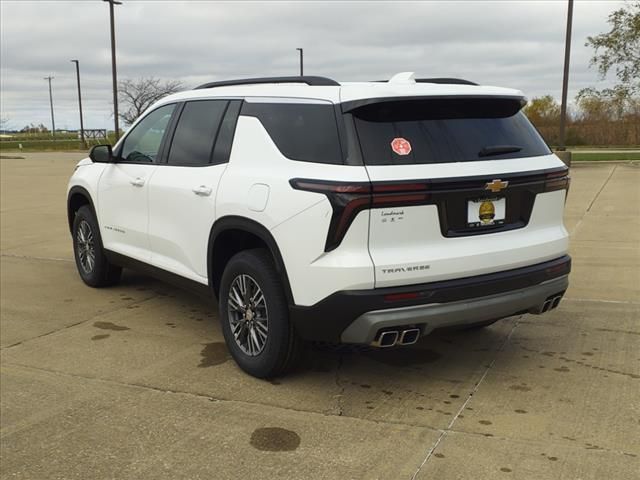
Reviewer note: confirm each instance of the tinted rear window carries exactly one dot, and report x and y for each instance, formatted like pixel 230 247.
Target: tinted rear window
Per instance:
pixel 196 131
pixel 446 130
pixel 305 132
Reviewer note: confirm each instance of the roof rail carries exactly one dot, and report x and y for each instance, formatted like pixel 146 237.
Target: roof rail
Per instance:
pixel 450 81
pixel 309 80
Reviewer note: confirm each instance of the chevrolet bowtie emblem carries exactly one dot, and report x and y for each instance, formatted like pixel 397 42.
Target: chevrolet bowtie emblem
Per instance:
pixel 496 185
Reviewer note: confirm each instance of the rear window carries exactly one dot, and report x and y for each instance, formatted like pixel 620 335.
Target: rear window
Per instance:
pixel 445 130
pixel 305 132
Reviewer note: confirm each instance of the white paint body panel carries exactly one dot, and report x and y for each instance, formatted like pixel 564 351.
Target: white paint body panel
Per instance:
pixel 180 220
pixel 123 209
pixel 417 241
pixel 298 220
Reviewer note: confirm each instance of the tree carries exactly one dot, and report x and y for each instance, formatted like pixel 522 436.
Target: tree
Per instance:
pixel 543 111
pixel 32 128
pixel 619 50
pixel 138 95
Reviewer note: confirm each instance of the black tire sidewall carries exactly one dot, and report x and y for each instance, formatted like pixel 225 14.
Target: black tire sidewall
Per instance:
pixel 270 361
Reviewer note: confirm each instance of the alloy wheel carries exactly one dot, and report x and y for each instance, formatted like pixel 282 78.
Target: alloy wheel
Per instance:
pixel 248 315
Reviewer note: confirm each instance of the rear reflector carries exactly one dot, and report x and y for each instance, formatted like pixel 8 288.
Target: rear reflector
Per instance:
pixel 398 297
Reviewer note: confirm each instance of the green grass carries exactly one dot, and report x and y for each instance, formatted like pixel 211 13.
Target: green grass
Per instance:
pixel 603 156
pixel 44 143
pixel 40 145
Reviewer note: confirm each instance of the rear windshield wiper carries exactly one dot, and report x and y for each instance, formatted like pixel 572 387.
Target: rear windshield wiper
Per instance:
pixel 498 150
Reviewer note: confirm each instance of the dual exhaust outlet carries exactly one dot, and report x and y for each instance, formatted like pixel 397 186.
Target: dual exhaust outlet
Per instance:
pixel 391 338
pixel 549 304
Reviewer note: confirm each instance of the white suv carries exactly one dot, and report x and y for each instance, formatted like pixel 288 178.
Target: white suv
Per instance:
pixel 367 213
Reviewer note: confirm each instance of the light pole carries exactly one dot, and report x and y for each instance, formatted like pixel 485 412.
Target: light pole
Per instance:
pixel 301 50
pixel 53 121
pixel 113 66
pixel 565 78
pixel 84 144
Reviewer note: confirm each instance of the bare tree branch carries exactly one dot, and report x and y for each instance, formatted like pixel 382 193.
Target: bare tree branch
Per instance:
pixel 139 94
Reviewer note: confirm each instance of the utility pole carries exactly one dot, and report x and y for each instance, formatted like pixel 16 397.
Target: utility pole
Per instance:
pixel 565 79
pixel 301 50
pixel 113 66
pixel 53 121
pixel 84 143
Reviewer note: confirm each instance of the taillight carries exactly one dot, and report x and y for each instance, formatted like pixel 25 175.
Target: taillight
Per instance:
pixel 347 200
pixel 350 198
pixel 557 181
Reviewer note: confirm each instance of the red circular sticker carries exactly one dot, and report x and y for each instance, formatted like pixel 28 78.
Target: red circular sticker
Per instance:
pixel 401 146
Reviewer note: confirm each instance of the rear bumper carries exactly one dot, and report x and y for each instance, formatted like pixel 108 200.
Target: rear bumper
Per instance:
pixel 429 317
pixel 355 316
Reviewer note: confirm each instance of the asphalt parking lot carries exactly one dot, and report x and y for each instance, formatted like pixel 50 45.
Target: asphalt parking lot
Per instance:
pixel 135 381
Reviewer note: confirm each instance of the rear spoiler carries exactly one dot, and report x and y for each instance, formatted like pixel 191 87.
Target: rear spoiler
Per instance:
pixel 510 104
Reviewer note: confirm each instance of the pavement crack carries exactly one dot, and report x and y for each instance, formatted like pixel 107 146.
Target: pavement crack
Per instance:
pixel 604 184
pixel 476 386
pixel 204 396
pixel 601 188
pixel 341 387
pixel 29 257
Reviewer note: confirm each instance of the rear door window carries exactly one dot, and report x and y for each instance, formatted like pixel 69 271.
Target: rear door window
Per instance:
pixel 445 130
pixel 196 132
pixel 301 131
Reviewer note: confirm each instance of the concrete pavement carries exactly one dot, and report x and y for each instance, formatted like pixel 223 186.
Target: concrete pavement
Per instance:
pixel 135 382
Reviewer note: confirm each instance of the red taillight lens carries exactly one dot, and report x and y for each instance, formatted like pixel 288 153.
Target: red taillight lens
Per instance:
pixel 557 181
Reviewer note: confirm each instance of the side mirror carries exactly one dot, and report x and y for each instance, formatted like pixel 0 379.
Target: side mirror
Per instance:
pixel 101 154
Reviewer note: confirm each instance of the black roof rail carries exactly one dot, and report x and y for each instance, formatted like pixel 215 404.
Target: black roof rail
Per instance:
pixel 450 81
pixel 309 80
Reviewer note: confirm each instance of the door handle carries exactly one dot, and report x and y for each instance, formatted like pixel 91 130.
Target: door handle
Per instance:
pixel 137 182
pixel 202 190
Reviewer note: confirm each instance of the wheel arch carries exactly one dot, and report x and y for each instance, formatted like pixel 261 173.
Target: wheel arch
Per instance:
pixel 78 197
pixel 232 234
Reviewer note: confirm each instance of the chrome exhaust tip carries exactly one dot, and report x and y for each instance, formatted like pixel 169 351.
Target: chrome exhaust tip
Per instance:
pixel 556 301
pixel 409 336
pixel 386 339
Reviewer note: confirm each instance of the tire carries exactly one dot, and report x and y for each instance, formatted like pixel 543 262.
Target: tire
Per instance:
pixel 95 270
pixel 265 343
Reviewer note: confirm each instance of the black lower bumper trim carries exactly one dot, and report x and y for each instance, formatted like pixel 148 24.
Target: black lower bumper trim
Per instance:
pixel 327 319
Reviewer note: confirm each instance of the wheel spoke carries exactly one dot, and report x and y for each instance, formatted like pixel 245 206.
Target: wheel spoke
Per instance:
pixel 258 298
pixel 261 327
pixel 261 334
pixel 233 303
pixel 237 296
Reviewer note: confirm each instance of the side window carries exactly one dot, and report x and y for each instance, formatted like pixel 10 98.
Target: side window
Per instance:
pixel 301 131
pixel 143 142
pixel 196 132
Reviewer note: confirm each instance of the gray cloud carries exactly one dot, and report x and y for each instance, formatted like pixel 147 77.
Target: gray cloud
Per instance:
pixel 515 44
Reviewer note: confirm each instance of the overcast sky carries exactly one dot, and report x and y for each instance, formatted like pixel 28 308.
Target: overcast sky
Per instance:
pixel 506 43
